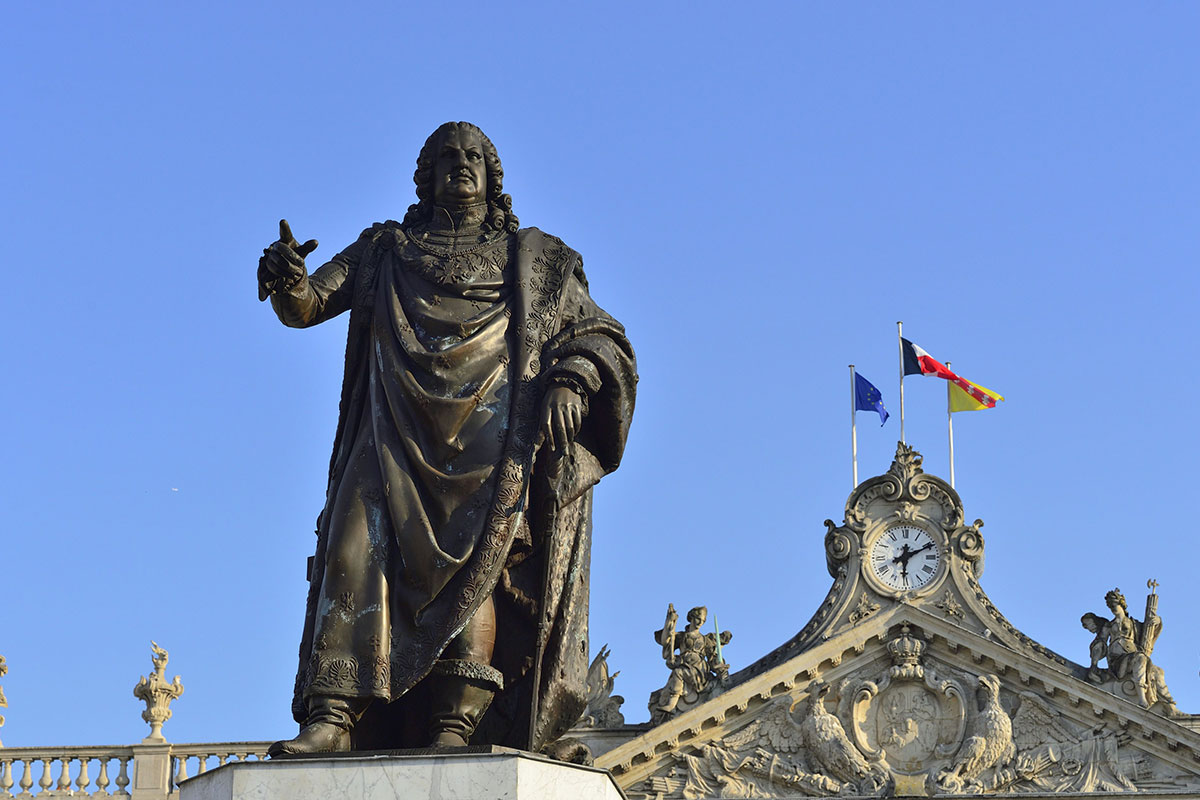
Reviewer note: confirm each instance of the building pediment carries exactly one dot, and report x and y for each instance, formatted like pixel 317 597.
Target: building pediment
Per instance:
pixel 909 681
pixel 907 703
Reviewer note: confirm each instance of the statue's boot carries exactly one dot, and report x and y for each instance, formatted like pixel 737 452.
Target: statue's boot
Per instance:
pixel 326 729
pixel 460 693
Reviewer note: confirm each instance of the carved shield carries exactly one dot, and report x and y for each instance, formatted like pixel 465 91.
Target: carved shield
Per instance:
pixel 907 725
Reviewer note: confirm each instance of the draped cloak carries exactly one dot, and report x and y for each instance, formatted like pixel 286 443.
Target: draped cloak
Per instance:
pixel 439 494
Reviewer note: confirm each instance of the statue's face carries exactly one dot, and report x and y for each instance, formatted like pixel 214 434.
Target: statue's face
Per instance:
pixel 459 173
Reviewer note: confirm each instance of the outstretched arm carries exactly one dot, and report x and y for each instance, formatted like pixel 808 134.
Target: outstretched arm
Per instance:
pixel 300 299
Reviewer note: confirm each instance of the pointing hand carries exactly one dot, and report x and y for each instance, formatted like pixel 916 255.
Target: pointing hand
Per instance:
pixel 286 238
pixel 282 264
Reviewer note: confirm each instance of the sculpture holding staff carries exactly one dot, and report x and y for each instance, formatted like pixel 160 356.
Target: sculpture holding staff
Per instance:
pixel 484 394
pixel 1127 643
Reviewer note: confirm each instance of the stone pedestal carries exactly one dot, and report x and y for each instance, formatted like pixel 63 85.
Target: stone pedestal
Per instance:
pixel 468 773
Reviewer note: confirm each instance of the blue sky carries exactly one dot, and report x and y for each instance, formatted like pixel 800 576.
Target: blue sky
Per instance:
pixel 759 196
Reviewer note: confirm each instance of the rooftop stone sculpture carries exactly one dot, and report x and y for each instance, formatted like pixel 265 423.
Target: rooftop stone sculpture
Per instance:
pixel 157 694
pixel 603 707
pixel 1127 643
pixel 697 666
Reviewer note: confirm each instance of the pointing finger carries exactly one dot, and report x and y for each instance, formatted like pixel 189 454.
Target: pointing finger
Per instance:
pixel 285 232
pixel 307 248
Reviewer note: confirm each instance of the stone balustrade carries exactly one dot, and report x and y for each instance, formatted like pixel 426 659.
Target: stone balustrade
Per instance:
pixel 193 759
pixel 141 772
pixel 63 771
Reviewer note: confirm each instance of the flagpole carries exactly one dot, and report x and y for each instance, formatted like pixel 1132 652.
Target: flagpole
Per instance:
pixel 853 428
pixel 899 336
pixel 950 428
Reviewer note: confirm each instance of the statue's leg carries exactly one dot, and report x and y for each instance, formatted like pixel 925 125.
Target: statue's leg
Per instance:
pixel 350 631
pixel 327 727
pixel 1145 692
pixel 672 692
pixel 463 681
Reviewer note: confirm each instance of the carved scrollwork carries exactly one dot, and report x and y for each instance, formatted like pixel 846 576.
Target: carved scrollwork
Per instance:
pixel 968 542
pixel 892 490
pixel 907 486
pixel 839 544
pixel 885 487
pixel 920 488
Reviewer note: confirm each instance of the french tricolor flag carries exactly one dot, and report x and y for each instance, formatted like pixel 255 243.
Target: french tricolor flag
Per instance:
pixel 918 362
pixel 973 396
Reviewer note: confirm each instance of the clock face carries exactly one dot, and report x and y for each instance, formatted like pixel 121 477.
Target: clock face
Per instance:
pixel 905 557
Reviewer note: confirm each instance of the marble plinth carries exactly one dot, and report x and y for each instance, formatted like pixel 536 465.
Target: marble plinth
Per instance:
pixel 463 774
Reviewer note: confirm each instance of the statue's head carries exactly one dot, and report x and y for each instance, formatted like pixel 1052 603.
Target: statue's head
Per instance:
pixel 697 616
pixel 1115 600
pixel 1091 622
pixel 459 166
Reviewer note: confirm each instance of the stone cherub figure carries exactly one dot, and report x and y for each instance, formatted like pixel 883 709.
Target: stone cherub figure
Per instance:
pixel 1127 644
pixel 485 394
pixel 696 669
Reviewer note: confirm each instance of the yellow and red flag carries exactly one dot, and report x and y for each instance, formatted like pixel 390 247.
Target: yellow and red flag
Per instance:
pixel 968 396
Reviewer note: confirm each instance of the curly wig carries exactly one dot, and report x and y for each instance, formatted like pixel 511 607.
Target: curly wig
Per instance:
pixel 499 211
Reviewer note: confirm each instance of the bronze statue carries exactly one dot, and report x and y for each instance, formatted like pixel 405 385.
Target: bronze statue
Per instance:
pixel 485 393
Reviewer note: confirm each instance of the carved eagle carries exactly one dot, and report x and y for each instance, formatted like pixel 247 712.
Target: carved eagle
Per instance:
pixel 990 740
pixel 828 749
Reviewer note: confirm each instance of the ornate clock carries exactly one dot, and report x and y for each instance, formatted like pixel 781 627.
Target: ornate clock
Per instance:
pixel 904 558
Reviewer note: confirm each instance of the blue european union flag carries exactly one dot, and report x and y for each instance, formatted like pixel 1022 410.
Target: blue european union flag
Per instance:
pixel 868 398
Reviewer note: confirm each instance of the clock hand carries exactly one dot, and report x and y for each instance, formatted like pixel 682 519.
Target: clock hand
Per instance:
pixel 903 558
pixel 923 547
